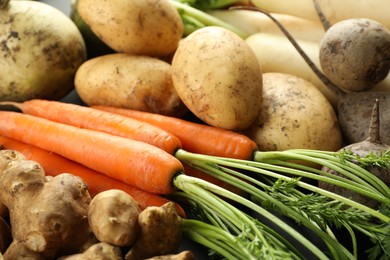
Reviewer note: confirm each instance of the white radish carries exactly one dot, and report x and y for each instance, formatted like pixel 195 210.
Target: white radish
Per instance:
pixel 252 22
pixel 334 10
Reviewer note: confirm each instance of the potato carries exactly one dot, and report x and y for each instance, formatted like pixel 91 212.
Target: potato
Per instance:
pixel 143 27
pixel 295 114
pixel 41 49
pixel 129 81
pixel 218 77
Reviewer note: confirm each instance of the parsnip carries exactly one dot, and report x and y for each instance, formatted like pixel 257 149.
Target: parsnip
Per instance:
pixel 252 22
pixel 275 53
pixel 334 10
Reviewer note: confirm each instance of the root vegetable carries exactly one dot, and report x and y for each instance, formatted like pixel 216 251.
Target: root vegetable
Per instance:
pixel 371 145
pixel 48 216
pixel 334 10
pixel 124 159
pixel 129 81
pixel 142 27
pixel 355 54
pixel 218 77
pixel 161 232
pixel 185 255
pixel 353 133
pixel 98 251
pixel 295 115
pixel 42 44
pixel 113 217
pixel 254 22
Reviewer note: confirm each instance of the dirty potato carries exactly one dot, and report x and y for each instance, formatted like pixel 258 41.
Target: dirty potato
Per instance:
pixel 295 115
pixel 218 77
pixel 129 81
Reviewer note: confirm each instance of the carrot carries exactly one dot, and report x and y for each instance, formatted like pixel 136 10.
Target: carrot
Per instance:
pixel 116 124
pixel 86 117
pixel 136 163
pixel 54 164
pixel 195 137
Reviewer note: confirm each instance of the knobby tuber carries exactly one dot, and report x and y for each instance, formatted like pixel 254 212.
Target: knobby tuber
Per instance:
pixel 113 217
pixel 372 144
pixel 98 251
pixel 185 255
pixel 48 216
pixel 160 232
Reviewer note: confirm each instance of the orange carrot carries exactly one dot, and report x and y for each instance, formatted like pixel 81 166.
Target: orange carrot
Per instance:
pixel 136 163
pixel 195 137
pixel 86 117
pixel 54 164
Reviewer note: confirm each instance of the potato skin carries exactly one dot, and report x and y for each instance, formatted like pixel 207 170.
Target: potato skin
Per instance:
pixel 129 81
pixel 143 27
pixel 295 115
pixel 218 77
pixel 41 51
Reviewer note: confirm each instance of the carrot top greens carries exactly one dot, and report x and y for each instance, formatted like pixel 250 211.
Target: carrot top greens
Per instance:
pixel 279 188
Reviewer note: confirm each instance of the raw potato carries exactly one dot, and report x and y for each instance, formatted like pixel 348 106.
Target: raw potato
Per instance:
pixel 295 115
pixel 218 77
pixel 48 216
pixel 143 27
pixel 41 51
pixel 113 217
pixel 129 81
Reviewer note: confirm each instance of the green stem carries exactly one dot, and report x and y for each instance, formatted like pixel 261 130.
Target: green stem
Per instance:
pixel 256 167
pixel 204 18
pixel 333 245
pixel 333 161
pixel 185 183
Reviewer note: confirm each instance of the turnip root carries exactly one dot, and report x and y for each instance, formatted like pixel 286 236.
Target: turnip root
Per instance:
pixel 41 49
pixel 142 27
pixel 161 232
pixel 113 217
pixel 48 216
pixel 98 251
pixel 5 235
pixel 355 54
pixel 295 114
pixel 371 145
pixel 218 77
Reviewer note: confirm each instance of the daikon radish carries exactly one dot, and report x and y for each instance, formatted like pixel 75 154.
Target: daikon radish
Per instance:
pixel 275 53
pixel 254 22
pixel 334 10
